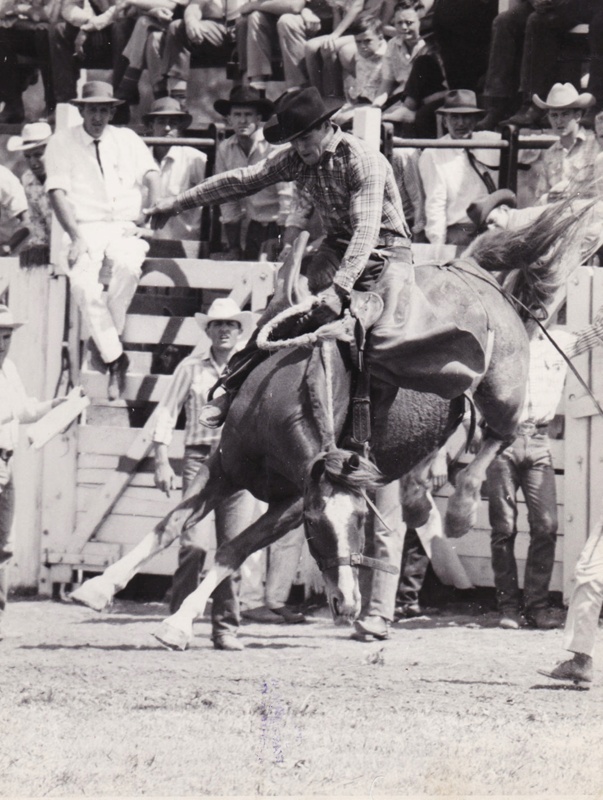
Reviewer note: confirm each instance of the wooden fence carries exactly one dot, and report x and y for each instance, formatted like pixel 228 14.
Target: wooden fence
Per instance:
pixel 88 496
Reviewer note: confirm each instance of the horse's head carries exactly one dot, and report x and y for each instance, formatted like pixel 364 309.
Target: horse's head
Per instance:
pixel 335 511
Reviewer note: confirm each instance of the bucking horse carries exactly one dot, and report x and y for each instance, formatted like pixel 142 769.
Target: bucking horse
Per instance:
pixel 284 439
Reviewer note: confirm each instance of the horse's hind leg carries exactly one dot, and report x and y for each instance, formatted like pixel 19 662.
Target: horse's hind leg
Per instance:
pixel 499 398
pixel 205 492
pixel 177 630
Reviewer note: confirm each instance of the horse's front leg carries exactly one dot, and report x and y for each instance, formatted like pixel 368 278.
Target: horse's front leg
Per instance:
pixel 206 490
pixel 461 513
pixel 177 630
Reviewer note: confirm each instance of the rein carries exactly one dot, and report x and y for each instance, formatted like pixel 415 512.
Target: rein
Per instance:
pixel 514 301
pixel 327 429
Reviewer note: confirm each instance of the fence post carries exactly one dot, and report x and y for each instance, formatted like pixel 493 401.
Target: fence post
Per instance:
pixel 508 158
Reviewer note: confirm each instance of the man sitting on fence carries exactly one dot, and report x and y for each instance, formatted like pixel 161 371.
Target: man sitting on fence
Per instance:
pixel 96 175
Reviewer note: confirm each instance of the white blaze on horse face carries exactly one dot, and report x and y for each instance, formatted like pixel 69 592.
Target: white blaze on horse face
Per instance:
pixel 339 511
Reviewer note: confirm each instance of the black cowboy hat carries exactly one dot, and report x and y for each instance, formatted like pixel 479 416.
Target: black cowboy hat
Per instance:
pixel 244 96
pixel 297 113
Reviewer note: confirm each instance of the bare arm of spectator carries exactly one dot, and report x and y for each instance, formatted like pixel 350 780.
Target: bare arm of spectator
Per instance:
pixel 276 7
pixel 167 414
pixel 311 20
pixel 352 11
pixel 152 185
pixel 193 14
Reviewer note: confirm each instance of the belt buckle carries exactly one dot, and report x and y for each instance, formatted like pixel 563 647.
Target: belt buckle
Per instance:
pixel 526 429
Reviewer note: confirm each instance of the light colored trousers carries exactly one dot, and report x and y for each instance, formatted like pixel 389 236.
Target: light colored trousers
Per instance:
pixel 105 312
pixel 283 560
pixel 262 29
pixel 379 588
pixel 587 598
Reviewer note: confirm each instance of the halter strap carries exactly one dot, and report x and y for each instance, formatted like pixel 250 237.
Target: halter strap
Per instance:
pixel 357 560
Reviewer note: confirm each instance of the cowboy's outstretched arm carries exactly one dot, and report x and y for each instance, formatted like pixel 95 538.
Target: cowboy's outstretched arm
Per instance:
pixel 226 186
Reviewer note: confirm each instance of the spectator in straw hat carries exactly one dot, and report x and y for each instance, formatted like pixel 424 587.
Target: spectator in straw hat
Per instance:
pixel 32 143
pixel 226 327
pixel 454 178
pixel 261 216
pixel 181 167
pixel 15 407
pixel 96 176
pixel 568 165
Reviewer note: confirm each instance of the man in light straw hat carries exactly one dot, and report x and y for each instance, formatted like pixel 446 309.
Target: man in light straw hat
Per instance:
pixel 568 165
pixel 96 176
pixel 32 143
pixel 15 407
pixel 352 187
pixel 453 179
pixel 227 328
pixel 182 167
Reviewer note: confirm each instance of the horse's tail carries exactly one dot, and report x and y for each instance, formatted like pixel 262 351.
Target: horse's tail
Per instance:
pixel 542 255
pixel 347 469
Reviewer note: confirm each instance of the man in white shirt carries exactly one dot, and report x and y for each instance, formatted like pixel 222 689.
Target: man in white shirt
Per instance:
pixel 181 167
pixel 96 178
pixel 454 178
pixel 225 325
pixel 15 407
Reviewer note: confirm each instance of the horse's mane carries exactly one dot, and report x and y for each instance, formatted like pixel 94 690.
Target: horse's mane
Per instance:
pixel 347 469
pixel 539 253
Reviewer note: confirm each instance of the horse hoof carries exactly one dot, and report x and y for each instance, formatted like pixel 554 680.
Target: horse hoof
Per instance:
pixel 92 594
pixel 171 637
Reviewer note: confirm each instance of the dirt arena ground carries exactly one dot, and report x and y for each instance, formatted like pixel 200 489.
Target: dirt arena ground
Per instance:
pixel 450 705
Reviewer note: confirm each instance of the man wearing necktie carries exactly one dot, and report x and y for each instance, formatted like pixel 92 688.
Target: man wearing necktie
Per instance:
pixel 96 177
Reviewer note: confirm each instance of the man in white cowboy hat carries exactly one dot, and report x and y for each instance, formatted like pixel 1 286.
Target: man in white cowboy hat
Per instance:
pixel 182 167
pixel 568 165
pixel 227 328
pixel 453 179
pixel 32 143
pixel 260 216
pixel 96 177
pixel 356 197
pixel 15 407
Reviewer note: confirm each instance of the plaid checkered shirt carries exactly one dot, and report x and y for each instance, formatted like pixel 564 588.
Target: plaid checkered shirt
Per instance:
pixel 352 187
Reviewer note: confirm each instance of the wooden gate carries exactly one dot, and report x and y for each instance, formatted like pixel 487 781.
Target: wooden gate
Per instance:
pixel 109 501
